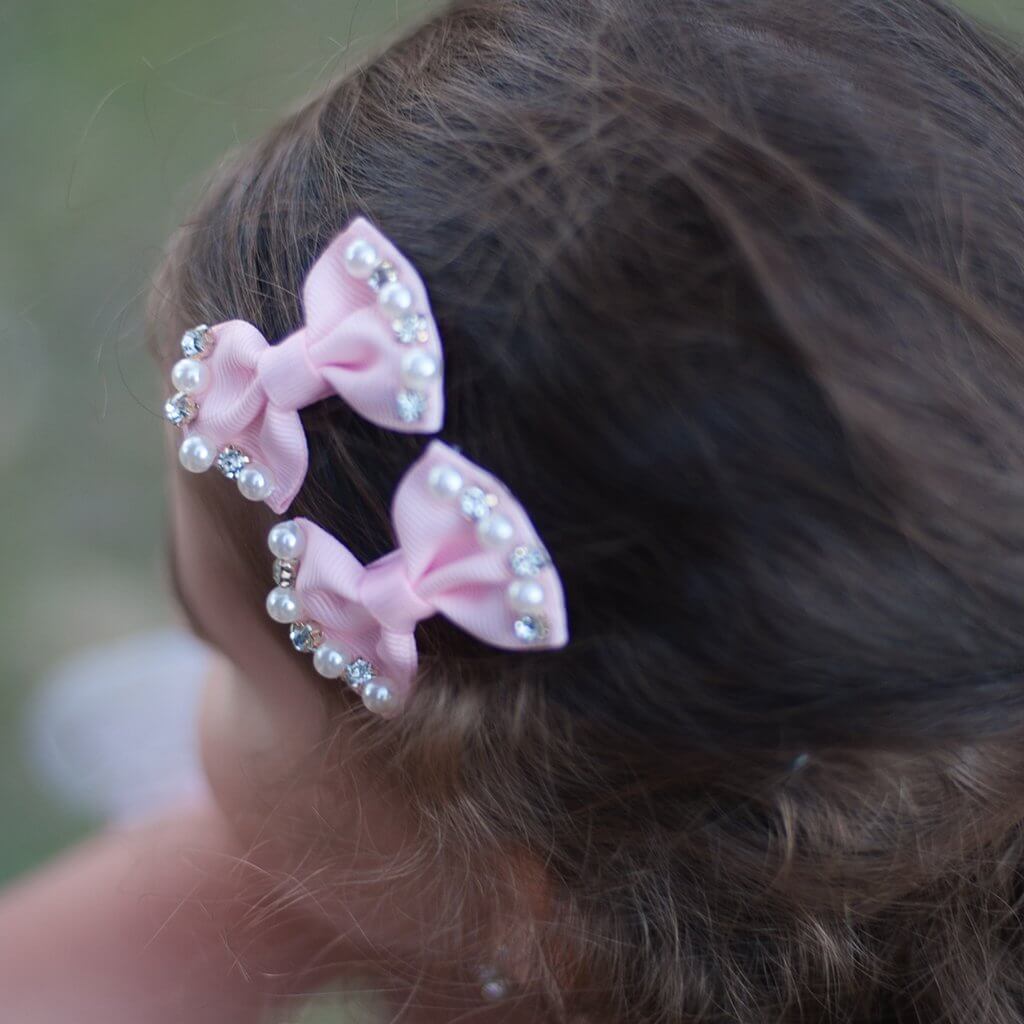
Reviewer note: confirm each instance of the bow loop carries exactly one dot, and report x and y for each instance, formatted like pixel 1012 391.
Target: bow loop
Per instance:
pixel 354 605
pixel 473 553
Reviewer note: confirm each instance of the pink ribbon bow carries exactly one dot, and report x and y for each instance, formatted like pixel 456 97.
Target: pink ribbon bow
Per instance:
pixel 467 551
pixel 369 337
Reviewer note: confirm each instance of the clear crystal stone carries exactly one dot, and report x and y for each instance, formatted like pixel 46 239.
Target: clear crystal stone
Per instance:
pixel 285 572
pixel 530 629
pixel 181 409
pixel 231 462
pixel 411 406
pixel 359 673
pixel 476 504
pixel 383 275
pixel 527 561
pixel 306 637
pixel 411 329
pixel 196 342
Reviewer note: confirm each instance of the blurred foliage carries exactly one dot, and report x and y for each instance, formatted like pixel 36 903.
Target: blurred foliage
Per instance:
pixel 112 110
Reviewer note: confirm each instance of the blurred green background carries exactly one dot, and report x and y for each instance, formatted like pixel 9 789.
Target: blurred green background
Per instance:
pixel 110 112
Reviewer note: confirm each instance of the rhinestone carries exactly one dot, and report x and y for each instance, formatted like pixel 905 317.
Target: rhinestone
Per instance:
pixel 181 409
pixel 195 344
pixel 359 673
pixel 530 629
pixel 285 572
pixel 528 561
pixel 231 462
pixel 306 637
pixel 475 504
pixel 412 328
pixel 384 275
pixel 411 406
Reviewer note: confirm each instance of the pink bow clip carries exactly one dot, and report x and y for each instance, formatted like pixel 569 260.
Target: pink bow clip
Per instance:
pixel 467 551
pixel 369 337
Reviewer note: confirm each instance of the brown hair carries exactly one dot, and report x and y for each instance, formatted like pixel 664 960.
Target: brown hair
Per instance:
pixel 731 294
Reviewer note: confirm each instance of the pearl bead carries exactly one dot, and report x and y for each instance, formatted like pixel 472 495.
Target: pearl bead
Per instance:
pixel 286 541
pixel 526 595
pixel 360 259
pixel 380 698
pixel 396 300
pixel 446 482
pixel 418 368
pixel 495 530
pixel 329 662
pixel 190 376
pixel 495 990
pixel 196 454
pixel 255 483
pixel 284 606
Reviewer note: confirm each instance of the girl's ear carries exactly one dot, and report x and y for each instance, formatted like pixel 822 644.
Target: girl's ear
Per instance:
pixel 530 944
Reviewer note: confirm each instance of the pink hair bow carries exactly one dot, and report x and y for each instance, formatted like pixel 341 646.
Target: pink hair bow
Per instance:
pixel 369 337
pixel 467 551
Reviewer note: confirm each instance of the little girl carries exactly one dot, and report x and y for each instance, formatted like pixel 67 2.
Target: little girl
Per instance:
pixel 631 398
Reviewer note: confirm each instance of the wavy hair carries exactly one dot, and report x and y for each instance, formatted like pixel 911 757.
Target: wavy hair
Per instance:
pixel 731 294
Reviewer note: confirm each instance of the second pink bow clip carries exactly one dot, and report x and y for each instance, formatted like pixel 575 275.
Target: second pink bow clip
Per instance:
pixel 369 337
pixel 467 551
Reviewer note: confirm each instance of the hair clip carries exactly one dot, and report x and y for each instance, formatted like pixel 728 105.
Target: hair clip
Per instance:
pixel 467 551
pixel 369 338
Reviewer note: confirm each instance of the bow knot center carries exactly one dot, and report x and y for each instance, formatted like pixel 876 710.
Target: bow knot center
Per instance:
pixel 287 374
pixel 387 594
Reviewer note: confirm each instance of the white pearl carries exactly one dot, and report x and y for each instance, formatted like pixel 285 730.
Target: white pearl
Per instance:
pixel 287 541
pixel 329 662
pixel 361 259
pixel 380 699
pixel 190 376
pixel 255 483
pixel 495 530
pixel 196 454
pixel 495 990
pixel 526 595
pixel 396 300
pixel 284 606
pixel 446 482
pixel 418 368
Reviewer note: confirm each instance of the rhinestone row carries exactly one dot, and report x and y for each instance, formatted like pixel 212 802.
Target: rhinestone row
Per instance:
pixel 191 377
pixel 526 596
pixel 410 328
pixel 181 408
pixel 287 543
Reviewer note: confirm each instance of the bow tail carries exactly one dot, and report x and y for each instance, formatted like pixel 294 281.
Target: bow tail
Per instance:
pixel 279 443
pixel 397 658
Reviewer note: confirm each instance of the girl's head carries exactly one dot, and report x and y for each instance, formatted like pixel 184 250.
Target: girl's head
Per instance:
pixel 730 298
